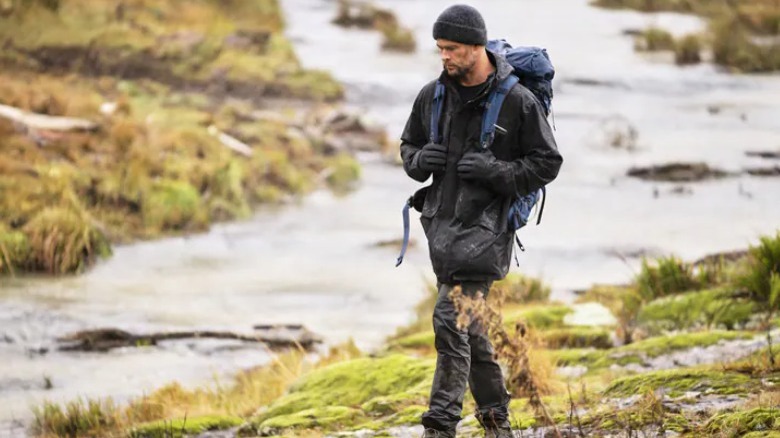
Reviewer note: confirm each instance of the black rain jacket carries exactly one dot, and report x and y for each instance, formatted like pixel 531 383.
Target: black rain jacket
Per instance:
pixel 465 222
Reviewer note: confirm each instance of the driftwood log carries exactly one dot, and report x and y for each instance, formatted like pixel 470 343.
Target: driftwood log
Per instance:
pixel 45 123
pixel 106 339
pixel 231 142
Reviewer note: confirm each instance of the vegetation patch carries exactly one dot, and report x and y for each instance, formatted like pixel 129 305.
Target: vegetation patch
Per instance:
pixel 687 50
pixel 654 347
pixel 654 39
pixel 160 95
pixel 537 316
pixel 735 424
pixel 677 382
pixel 184 426
pixel 701 309
pixel 577 337
pixel 360 388
pixel 737 29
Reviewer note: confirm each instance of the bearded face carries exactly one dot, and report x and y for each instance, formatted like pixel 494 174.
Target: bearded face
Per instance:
pixel 457 59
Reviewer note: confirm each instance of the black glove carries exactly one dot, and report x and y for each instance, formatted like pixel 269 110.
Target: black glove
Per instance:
pixel 477 165
pixel 432 157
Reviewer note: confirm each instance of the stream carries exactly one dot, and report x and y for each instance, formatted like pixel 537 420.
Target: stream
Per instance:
pixel 316 262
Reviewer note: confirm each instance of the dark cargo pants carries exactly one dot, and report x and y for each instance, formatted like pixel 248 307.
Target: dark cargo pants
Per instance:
pixel 463 357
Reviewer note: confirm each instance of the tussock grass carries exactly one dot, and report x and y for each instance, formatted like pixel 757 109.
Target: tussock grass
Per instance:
pixel 667 276
pixel 168 407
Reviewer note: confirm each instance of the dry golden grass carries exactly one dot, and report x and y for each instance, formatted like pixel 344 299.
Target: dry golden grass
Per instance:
pixel 531 373
pixel 248 392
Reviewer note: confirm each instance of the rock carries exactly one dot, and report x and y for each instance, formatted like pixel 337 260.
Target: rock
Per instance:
pixel 763 171
pixel 363 15
pixel 589 314
pixel 106 339
pixel 229 433
pixel 764 154
pixel 677 172
pixel 590 82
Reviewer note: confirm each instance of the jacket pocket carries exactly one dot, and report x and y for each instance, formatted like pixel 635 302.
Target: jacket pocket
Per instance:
pixel 430 206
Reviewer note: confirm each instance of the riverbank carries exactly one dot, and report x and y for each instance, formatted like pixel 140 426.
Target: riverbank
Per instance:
pixel 198 113
pixel 743 36
pixel 684 351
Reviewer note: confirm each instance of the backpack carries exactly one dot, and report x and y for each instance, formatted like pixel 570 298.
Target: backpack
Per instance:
pixel 534 70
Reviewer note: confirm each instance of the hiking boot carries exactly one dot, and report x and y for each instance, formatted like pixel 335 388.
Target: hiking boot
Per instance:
pixel 434 433
pixel 499 432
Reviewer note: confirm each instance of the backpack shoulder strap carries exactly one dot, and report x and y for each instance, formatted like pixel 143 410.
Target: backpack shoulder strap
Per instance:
pixel 493 107
pixel 438 103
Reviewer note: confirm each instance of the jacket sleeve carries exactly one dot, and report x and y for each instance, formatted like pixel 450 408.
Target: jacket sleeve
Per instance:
pixel 541 160
pixel 414 138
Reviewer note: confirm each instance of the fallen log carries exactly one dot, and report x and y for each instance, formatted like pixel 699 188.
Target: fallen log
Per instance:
pixel 106 339
pixel 45 123
pixel 677 172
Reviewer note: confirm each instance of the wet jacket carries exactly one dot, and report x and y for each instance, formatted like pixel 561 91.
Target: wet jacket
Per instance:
pixel 466 221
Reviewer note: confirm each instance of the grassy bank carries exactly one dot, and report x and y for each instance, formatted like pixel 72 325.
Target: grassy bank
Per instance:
pixel 742 35
pixel 646 374
pixel 155 77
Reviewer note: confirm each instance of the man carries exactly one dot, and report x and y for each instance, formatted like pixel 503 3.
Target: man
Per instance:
pixel 465 210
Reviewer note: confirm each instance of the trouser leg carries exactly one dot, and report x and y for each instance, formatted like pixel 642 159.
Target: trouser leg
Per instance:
pixel 463 357
pixel 487 381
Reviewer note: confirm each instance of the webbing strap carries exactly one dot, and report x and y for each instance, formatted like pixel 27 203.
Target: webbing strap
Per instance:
pixel 541 208
pixel 405 214
pixel 438 104
pixel 492 108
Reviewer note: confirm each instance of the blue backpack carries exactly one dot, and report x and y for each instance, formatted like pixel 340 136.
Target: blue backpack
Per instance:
pixel 532 69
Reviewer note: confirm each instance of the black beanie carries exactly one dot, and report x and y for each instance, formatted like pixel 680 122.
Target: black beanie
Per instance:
pixel 462 24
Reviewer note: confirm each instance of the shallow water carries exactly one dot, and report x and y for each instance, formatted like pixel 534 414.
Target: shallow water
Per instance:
pixel 315 262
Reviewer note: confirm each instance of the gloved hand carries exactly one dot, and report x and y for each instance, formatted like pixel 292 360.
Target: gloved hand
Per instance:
pixel 432 157
pixel 477 165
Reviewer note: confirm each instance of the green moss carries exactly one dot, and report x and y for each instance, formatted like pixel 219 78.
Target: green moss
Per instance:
pixel 577 337
pixel 539 317
pixel 184 426
pixel 324 416
pixel 171 205
pixel 227 197
pixel 739 423
pixel 422 340
pixel 374 387
pixel 677 382
pixel 707 308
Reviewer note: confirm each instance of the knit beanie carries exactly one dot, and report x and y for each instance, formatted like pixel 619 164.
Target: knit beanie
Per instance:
pixel 462 24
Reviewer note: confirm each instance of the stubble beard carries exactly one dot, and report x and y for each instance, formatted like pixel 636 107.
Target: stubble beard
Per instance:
pixel 459 72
